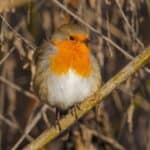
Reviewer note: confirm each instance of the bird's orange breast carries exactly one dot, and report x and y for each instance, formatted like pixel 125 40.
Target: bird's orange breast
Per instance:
pixel 71 55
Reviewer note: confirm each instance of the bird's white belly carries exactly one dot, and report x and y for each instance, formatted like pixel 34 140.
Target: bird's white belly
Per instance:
pixel 68 89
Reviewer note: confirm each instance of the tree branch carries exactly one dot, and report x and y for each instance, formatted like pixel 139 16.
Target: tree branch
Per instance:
pixel 49 134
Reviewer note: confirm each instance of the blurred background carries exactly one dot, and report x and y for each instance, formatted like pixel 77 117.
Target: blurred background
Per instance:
pixel 122 121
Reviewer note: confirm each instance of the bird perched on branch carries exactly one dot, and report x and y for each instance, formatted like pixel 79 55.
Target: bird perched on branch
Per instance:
pixel 66 70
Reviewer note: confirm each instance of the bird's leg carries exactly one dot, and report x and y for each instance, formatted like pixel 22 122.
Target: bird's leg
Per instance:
pixel 78 106
pixel 58 119
pixel 74 109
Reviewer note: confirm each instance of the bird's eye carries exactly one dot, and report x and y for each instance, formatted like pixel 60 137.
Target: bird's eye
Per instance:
pixel 71 37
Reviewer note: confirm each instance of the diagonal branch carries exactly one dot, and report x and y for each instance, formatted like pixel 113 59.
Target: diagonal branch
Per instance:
pixel 49 134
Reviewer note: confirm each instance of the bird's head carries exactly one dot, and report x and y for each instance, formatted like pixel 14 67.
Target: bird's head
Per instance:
pixel 71 32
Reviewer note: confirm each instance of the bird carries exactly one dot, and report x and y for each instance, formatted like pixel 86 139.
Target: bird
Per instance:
pixel 67 72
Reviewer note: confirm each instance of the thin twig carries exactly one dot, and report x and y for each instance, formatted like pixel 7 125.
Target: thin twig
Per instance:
pixel 30 127
pixel 110 141
pixel 8 122
pixel 76 17
pixel 17 34
pixel 104 138
pixel 49 134
pixel 13 125
pixel 7 55
pixel 17 88
pixel 128 24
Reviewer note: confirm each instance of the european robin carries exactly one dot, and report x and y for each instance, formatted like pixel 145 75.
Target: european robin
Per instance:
pixel 66 70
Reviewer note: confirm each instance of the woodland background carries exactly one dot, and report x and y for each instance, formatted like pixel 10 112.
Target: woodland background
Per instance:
pixel 122 121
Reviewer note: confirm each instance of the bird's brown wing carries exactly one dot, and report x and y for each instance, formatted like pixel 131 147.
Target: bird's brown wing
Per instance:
pixel 42 63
